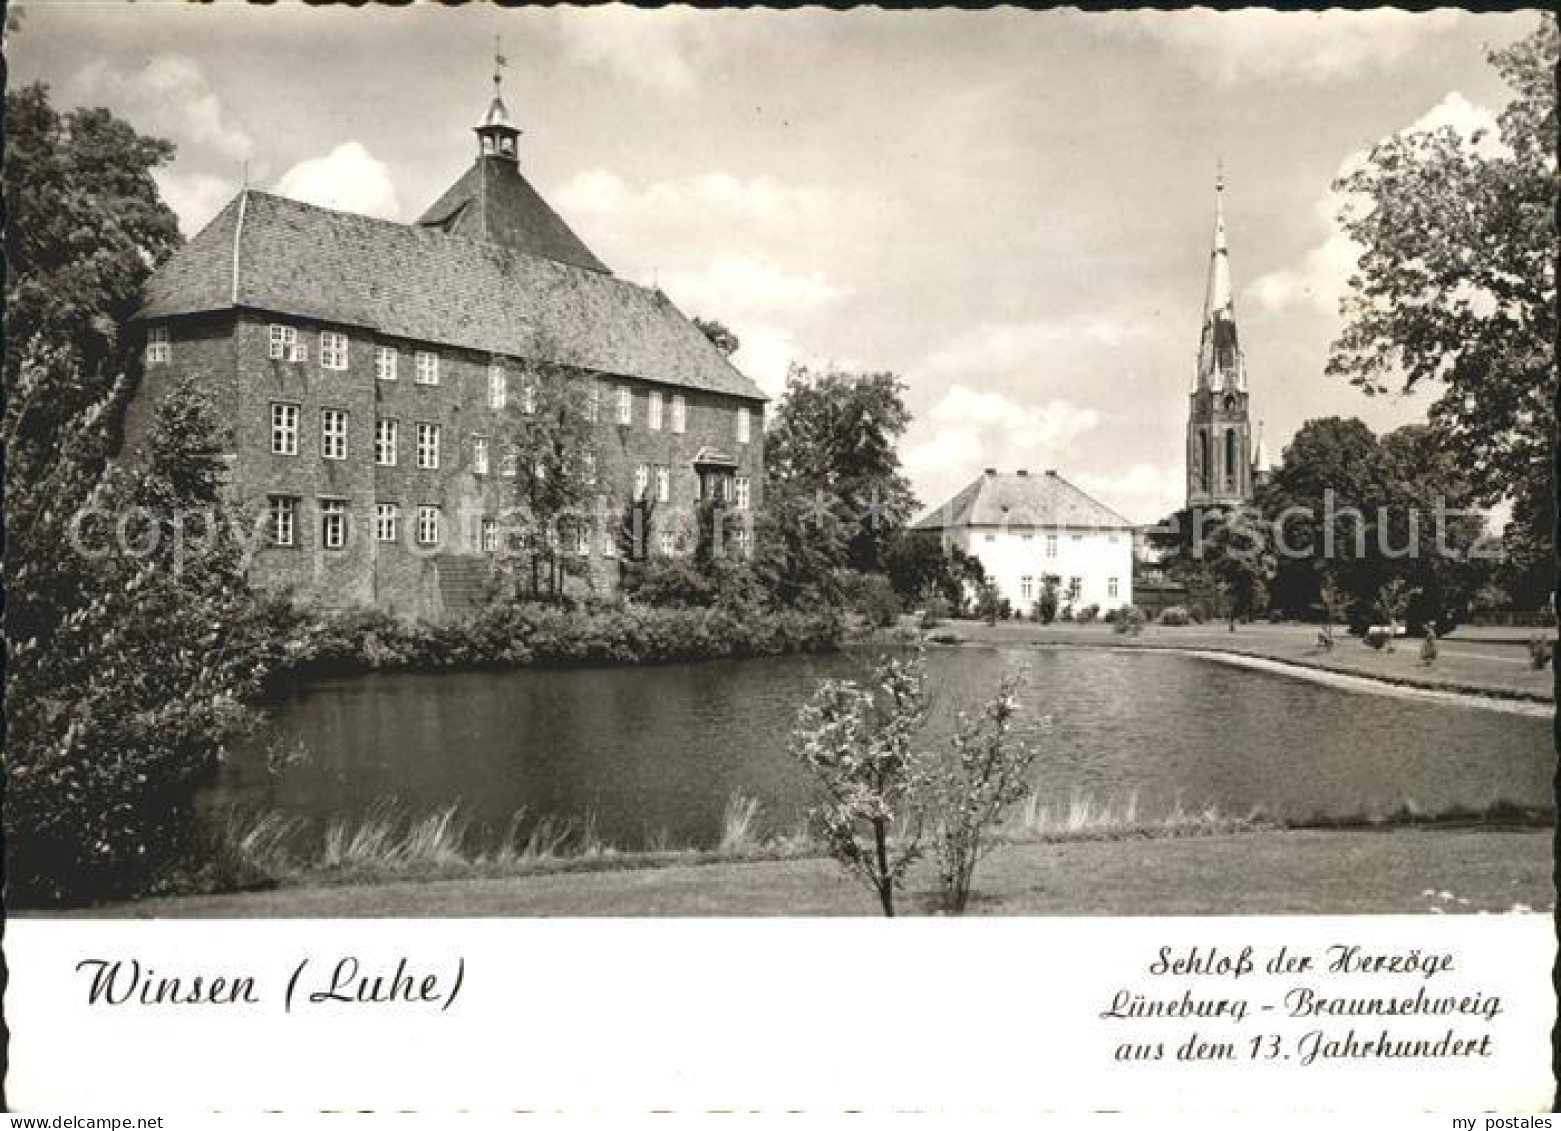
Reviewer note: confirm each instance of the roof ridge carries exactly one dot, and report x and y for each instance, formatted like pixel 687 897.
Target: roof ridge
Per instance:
pixel 1062 479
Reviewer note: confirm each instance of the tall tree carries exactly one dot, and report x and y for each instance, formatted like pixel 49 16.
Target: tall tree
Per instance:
pixel 548 465
pixel 1456 288
pixel 85 226
pixel 832 441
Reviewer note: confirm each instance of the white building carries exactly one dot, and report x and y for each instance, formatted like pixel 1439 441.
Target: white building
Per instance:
pixel 1023 527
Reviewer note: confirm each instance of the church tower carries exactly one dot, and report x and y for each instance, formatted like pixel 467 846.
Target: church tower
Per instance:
pixel 1219 434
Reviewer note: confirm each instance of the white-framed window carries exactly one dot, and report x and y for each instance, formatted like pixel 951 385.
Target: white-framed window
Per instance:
pixel 1112 538
pixel 528 398
pixel 667 542
pixel 609 541
pixel 653 410
pixel 593 403
pixel 333 433
pixel 509 466
pixel 742 490
pixel 1051 545
pixel 1111 587
pixel 283 519
pixel 744 424
pixel 159 346
pixel 991 537
pixel 479 455
pixel 743 539
pixel 1026 587
pixel 498 386
pixel 333 350
pixel 1075 587
pixel 387 522
pixel 427 445
pixel 490 535
pixel 580 539
pixel 284 429
pixel 679 413
pixel 333 523
pixel 1027 537
pixel 1077 538
pixel 428 525
pixel 663 484
pixel 427 367
pixel 588 468
pixel 625 405
pixel 385 363
pixel 642 480
pixel 281 342
pixel 387 437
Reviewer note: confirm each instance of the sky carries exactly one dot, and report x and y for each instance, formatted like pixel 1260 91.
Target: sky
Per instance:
pixel 1011 210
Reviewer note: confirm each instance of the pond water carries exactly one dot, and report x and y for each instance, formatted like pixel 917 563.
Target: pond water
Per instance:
pixel 654 753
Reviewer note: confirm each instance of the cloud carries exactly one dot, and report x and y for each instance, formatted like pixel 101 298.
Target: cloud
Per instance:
pixel 1027 347
pixel 168 97
pixel 968 429
pixel 1320 277
pixel 741 250
pixel 194 197
pixel 740 287
pixel 1312 47
pixel 1143 492
pixel 702 209
pixel 655 49
pixel 349 178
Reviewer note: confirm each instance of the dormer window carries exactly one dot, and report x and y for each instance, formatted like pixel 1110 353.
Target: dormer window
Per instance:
pixel 159 348
pixel 487 145
pixel 507 146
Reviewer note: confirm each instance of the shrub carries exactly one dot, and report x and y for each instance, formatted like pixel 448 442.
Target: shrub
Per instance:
pixel 1198 613
pixel 1175 616
pixel 1087 614
pixel 987 602
pixel 983 774
pixel 1540 651
pixel 934 612
pixel 871 596
pixel 1378 637
pixel 1130 620
pixel 1046 606
pixel 543 635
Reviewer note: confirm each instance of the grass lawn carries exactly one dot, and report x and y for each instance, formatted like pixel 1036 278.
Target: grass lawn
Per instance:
pixel 1482 661
pixel 1356 871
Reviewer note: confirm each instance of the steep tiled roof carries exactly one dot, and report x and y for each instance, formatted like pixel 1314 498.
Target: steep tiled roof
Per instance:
pixel 495 202
pixel 1019 499
pixel 269 253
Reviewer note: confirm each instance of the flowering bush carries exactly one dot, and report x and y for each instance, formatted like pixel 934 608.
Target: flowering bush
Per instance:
pixel 982 775
pixel 855 740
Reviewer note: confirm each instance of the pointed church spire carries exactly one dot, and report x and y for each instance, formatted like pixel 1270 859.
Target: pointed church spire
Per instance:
pixel 1220 365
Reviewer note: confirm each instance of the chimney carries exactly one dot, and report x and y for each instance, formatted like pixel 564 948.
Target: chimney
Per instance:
pixel 1052 472
pixel 991 471
pixel 1023 471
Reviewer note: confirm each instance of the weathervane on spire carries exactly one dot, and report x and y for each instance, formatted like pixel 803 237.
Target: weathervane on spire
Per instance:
pixel 499 63
pixel 1219 175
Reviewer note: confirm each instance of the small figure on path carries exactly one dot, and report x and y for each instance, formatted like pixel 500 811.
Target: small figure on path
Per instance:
pixel 1428 648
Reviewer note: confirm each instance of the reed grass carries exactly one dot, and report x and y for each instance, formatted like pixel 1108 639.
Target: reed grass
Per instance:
pixel 249 848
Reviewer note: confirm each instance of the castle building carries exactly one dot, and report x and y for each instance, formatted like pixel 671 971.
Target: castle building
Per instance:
pixel 370 371
pixel 1223 467
pixel 1025 528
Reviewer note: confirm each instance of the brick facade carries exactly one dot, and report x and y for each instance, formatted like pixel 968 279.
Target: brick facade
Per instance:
pixel 229 354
